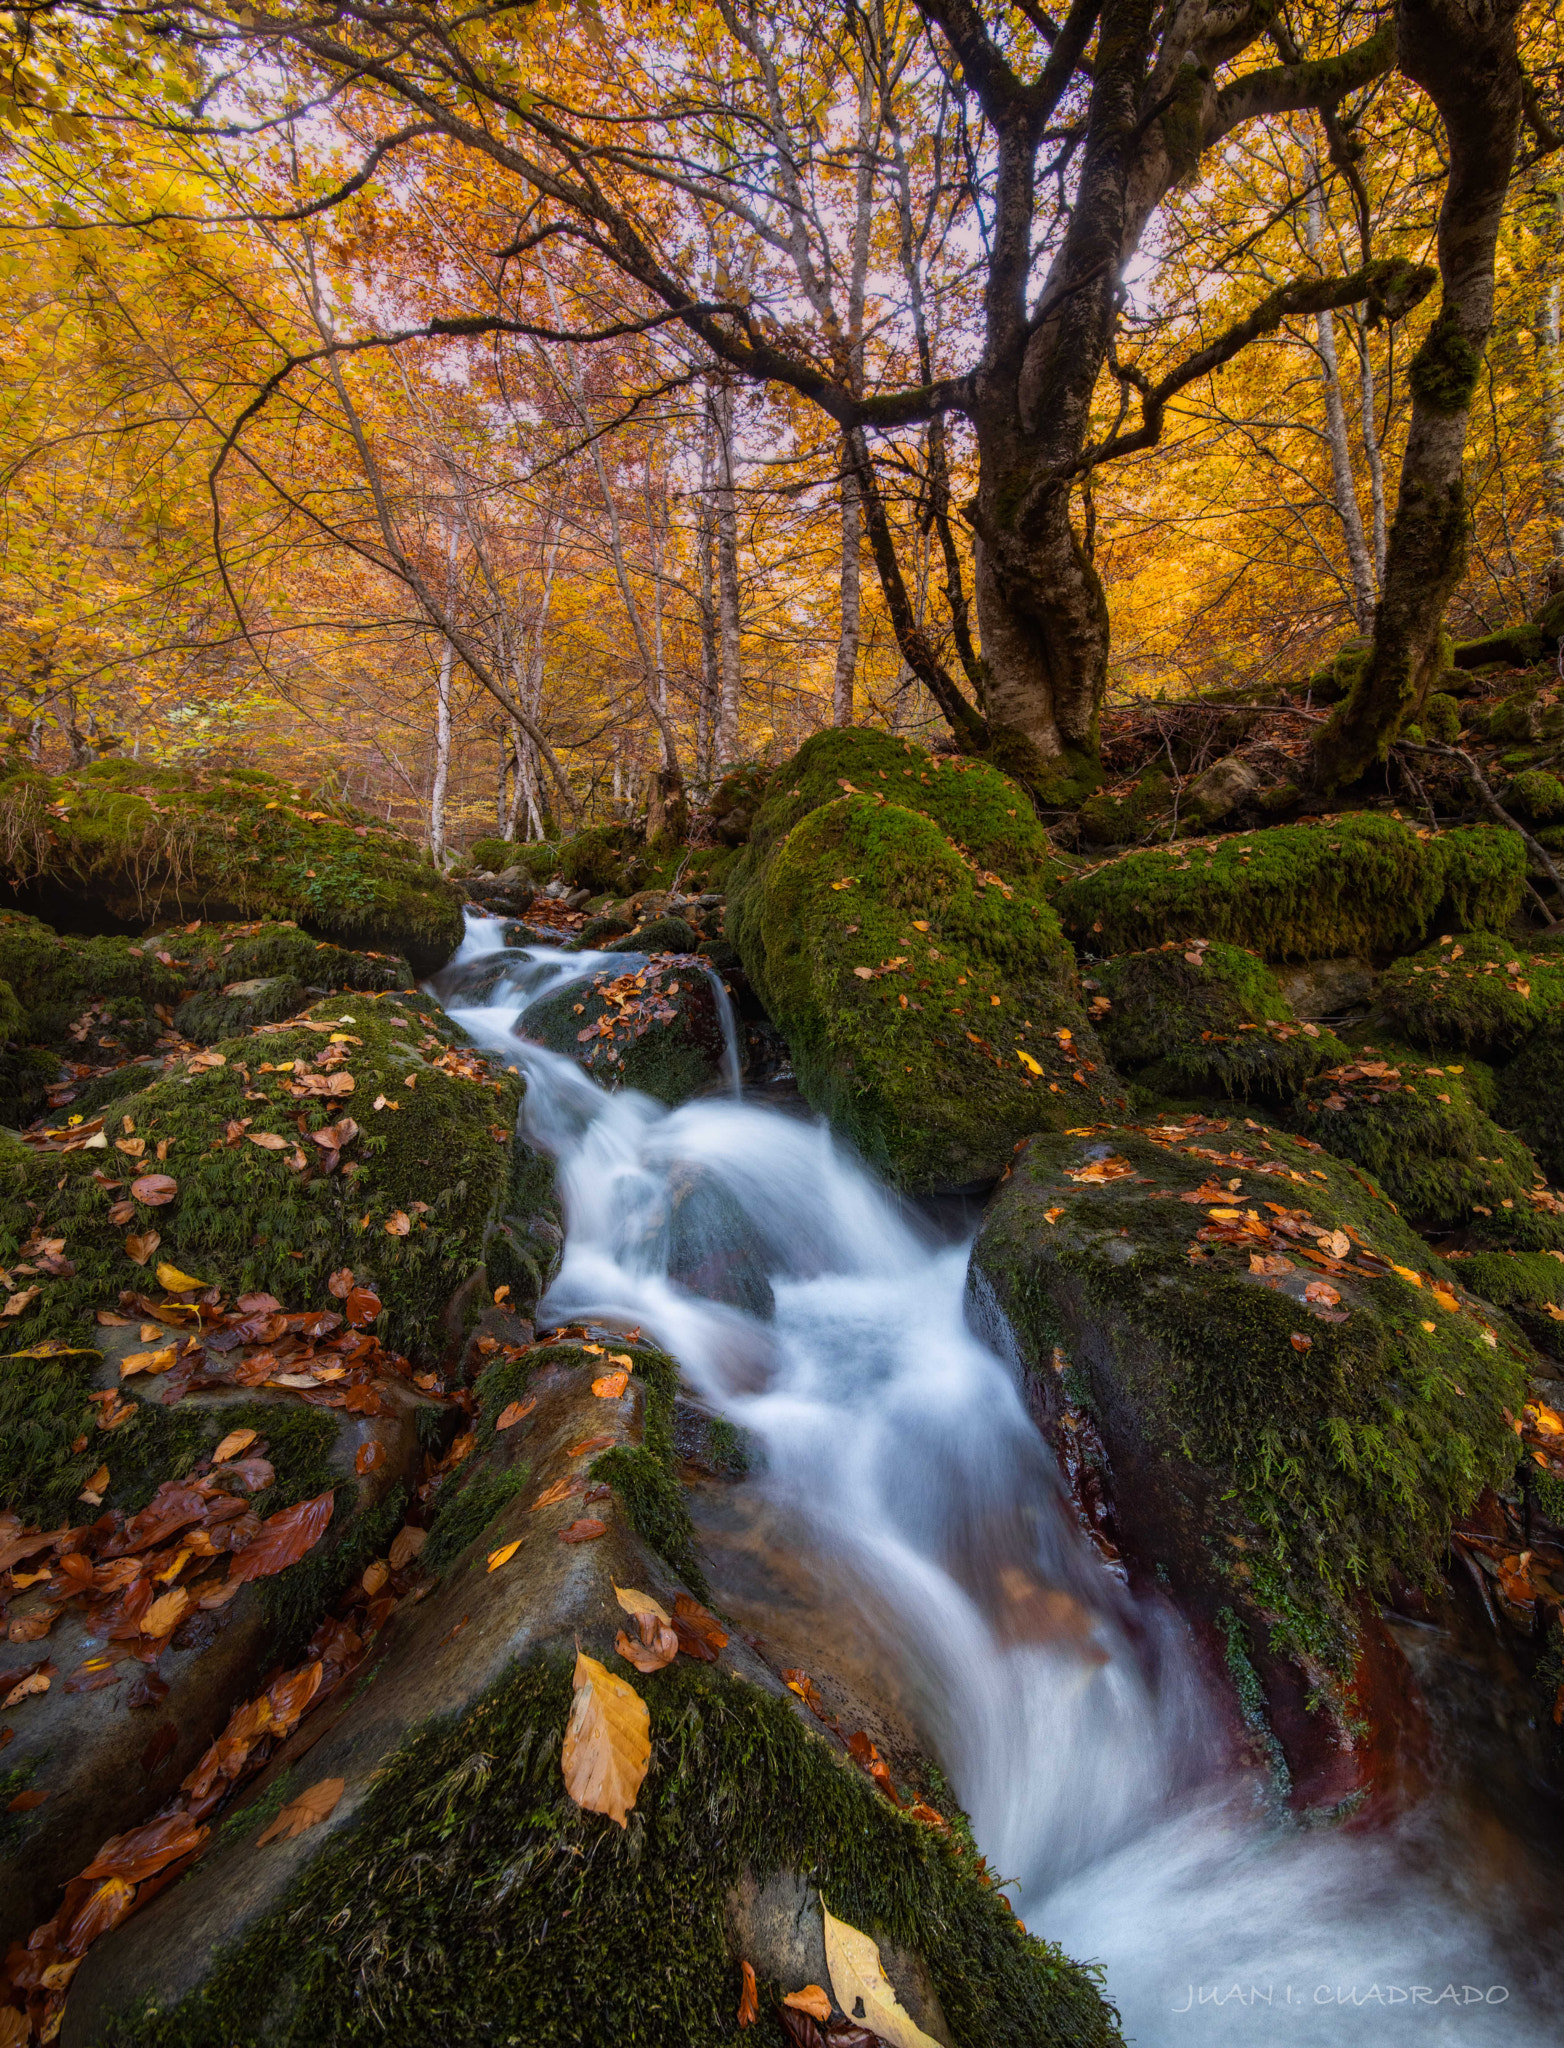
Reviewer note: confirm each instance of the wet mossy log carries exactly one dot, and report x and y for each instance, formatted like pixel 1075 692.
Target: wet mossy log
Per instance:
pixel 121 844
pixel 1356 884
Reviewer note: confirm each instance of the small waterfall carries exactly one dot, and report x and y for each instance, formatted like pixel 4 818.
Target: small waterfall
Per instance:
pixel 1068 1715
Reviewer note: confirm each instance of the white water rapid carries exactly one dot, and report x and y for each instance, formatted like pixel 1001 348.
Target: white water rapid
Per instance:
pixel 1068 1716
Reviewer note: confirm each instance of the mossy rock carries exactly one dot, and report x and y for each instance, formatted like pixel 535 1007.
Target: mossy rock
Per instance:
pixel 1116 817
pixel 1475 990
pixel 122 842
pixel 1422 1132
pixel 1531 1097
pixel 735 799
pixel 1527 1285
pixel 597 858
pixel 1537 796
pixel 245 1218
pixel 1355 884
pixel 1442 718
pixel 218 955
pixel 538 858
pixel 656 1029
pixel 1514 646
pixel 101 995
pixel 664 934
pixel 1202 1018
pixel 930 1006
pixel 501 1911
pixel 1294 1451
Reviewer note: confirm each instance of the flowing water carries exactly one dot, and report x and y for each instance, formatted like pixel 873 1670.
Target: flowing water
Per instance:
pixel 1067 1714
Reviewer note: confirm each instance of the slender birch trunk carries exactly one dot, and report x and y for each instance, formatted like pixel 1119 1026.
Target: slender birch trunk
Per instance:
pixel 1344 484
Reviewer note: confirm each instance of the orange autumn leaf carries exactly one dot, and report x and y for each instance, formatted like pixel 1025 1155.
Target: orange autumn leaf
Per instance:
pixel 504 1554
pixel 307 1811
pixel 608 1742
pixel 812 1999
pixel 514 1412
pixel 611 1385
pixel 749 2002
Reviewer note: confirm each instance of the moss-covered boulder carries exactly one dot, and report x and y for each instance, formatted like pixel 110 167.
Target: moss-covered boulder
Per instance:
pixel 495 1907
pixel 663 934
pixel 1120 815
pixel 1531 1097
pixel 537 858
pixel 1294 1395
pixel 121 844
pixel 247 1189
pixel 1424 1133
pixel 656 1028
pixel 1476 990
pixel 244 975
pixel 600 858
pixel 898 934
pixel 1357 884
pixel 1528 1285
pixel 1195 1018
pixel 734 801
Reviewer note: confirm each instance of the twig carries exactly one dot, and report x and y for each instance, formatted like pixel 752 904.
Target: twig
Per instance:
pixel 1494 805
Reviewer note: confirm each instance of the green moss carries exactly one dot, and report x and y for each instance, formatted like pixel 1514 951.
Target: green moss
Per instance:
pixel 1476 990
pixel 1209 1018
pixel 595 859
pixel 97 1000
pixel 537 858
pixel 1446 368
pixel 1421 1132
pixel 244 1218
pixel 477 1902
pixel 645 1477
pixel 1531 1097
pixel 143 843
pixel 909 982
pixel 1537 796
pixel 658 935
pixel 1514 646
pixel 1355 884
pixel 1305 1473
pixel 1442 719
pixel 462 1519
pixel 1118 817
pixel 14 1827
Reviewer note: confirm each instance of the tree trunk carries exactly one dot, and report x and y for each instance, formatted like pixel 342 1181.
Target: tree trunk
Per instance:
pixel 1343 483
pixel 852 601
pixel 728 650
pixel 442 755
pixel 1553 403
pixel 1463 54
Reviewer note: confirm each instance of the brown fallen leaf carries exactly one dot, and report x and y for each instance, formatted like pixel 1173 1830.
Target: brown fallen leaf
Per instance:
pixel 146 1850
pixel 700 1635
pixel 516 1411
pixel 307 1811
pixel 398 1224
pixel 1300 1342
pixel 167 1612
pixel 749 2001
pixel 146 1361
pixel 237 1440
pixel 551 1496
pixel 25 1688
pixel 97 1486
pixel 608 1742
pixel 283 1539
pixel 657 1646
pixel 1322 1291
pixel 140 1245
pixel 269 1141
pixel 504 1554
pixel 586 1530
pixel 813 1999
pixel 405 1545
pixel 26 1802
pixel 155 1189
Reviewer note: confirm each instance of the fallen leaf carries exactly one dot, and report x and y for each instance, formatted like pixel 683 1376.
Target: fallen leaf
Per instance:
pixel 1322 1291
pixel 282 1540
pixel 857 1973
pixel 504 1554
pixel 1300 1342
pixel 813 1999
pixel 637 1604
pixel 398 1224
pixel 552 1495
pixel 307 1811
pixel 17 1303
pixel 26 1689
pixel 147 1361
pixel 405 1545
pixel 155 1189
pixel 607 1744
pixel 177 1282
pixel 374 1576
pixel 587 1445
pixel 749 2002
pixel 268 1141
pixel 700 1634
pixel 167 1612
pixel 144 1851
pixel 26 1802
pixel 1029 1063
pixel 586 1530
pixel 514 1412
pixel 611 1385
pixel 97 1486
pixel 237 1440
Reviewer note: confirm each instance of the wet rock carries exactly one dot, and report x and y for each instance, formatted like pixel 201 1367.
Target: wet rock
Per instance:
pixel 1226 786
pixel 900 939
pixel 1359 884
pixel 1197 1017
pixel 121 844
pixel 709 1245
pixel 1327 988
pixel 656 1028
pixel 1294 1396
pixel 450 1765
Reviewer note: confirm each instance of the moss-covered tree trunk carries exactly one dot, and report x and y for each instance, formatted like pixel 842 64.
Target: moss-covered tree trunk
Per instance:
pixel 1463 54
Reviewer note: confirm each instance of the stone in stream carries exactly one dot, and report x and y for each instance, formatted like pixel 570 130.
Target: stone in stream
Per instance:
pixel 123 844
pixel 656 1028
pixel 1295 1399
pixel 453 1887
pixel 891 913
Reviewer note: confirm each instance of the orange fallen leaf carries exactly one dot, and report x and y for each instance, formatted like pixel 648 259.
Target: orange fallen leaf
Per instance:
pixel 551 1496
pixel 504 1554
pixel 812 1999
pixel 283 1539
pixel 586 1530
pixel 608 1742
pixel 140 1245
pixel 237 1440
pixel 1300 1342
pixel 398 1224
pixel 155 1189
pixel 611 1385
pixel 1322 1291
pixel 589 1443
pixel 167 1612
pixel 749 2001
pixel 307 1811
pixel 516 1411
pixel 97 1486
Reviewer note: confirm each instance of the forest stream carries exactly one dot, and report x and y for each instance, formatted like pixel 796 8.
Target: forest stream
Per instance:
pixel 893 1451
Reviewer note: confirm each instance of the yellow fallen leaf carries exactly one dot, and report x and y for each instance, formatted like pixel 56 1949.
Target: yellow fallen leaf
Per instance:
pixel 398 1224
pixel 638 1604
pixel 1446 1300
pixel 608 1742
pixel 856 1971
pixel 176 1282
pixel 307 1811
pixel 1225 1215
pixel 1052 1215
pixel 504 1554
pixel 167 1612
pixel 1028 1062
pixel 1407 1274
